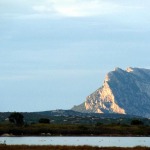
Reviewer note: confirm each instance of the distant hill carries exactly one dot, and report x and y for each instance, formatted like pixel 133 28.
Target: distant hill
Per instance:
pixel 123 92
pixel 73 117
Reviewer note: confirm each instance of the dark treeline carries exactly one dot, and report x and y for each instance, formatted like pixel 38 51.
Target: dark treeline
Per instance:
pixel 55 129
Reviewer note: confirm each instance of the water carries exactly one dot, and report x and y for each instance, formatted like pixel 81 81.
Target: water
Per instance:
pixel 92 141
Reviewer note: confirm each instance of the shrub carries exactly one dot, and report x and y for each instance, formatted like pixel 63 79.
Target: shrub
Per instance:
pixel 136 122
pixel 44 120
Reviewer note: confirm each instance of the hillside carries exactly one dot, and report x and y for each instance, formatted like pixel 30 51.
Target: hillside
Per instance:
pixel 73 117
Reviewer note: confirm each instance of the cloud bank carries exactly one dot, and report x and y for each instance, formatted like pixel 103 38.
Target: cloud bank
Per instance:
pixel 68 8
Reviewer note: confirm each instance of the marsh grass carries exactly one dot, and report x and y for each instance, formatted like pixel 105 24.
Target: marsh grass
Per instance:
pixel 25 147
pixel 67 129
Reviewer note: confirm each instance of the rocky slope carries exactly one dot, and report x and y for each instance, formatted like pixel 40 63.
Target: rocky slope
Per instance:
pixel 123 92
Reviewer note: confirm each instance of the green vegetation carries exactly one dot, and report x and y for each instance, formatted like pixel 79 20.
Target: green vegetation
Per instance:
pixel 78 130
pixel 136 122
pixel 44 120
pixel 72 125
pixel 16 118
pixel 72 117
pixel 24 147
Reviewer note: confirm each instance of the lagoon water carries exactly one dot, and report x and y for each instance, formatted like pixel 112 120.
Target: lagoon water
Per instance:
pixel 92 141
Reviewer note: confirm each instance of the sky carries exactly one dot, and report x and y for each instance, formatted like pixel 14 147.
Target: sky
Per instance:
pixel 54 53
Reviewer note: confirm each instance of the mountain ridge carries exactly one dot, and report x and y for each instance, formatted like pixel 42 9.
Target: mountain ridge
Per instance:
pixel 123 92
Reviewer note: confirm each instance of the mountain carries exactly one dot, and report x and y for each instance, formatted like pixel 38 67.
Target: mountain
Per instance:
pixel 123 92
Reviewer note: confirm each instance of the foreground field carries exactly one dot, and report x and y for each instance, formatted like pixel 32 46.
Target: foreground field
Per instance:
pixel 23 147
pixel 75 130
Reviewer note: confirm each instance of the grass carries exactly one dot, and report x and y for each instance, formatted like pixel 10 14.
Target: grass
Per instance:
pixel 76 130
pixel 25 147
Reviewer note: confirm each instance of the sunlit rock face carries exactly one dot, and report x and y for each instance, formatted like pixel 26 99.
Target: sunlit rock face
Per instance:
pixel 123 92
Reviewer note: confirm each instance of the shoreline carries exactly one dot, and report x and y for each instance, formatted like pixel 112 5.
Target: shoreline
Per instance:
pixel 87 135
pixel 57 147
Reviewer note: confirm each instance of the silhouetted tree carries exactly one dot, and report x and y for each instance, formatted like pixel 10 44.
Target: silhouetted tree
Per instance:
pixel 16 118
pixel 136 122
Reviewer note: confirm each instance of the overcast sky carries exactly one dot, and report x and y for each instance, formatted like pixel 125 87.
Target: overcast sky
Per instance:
pixel 54 53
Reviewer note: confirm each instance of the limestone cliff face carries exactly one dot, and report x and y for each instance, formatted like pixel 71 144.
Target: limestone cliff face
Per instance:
pixel 123 92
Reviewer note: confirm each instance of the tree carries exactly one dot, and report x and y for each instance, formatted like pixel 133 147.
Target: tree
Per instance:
pixel 44 120
pixel 136 122
pixel 16 118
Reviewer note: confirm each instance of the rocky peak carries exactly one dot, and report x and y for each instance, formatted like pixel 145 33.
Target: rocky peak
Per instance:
pixel 123 91
pixel 129 69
